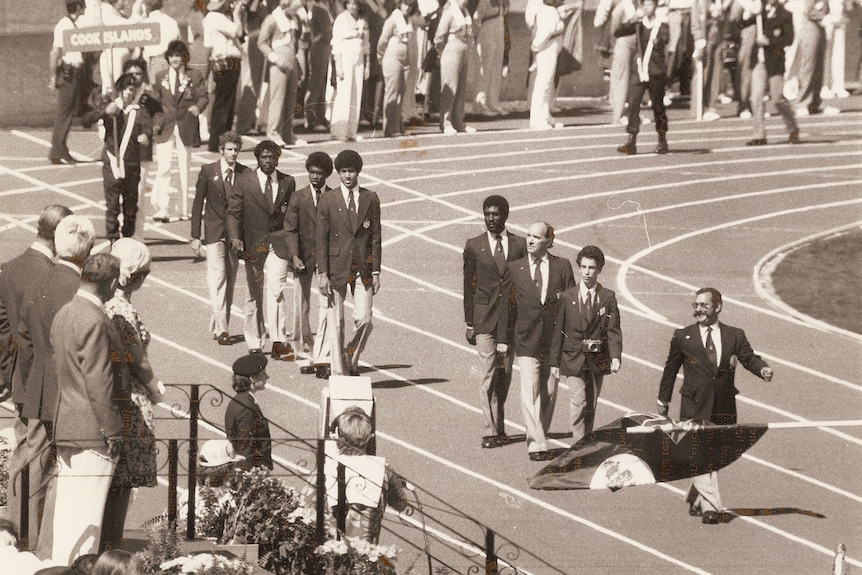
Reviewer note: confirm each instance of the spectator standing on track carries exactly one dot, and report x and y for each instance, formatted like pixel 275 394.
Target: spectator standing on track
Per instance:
pixel 136 466
pixel 611 12
pixel 319 27
pixel 485 268
pixel 350 52
pixel 182 92
pixel 36 371
pixel 454 41
pixel 588 341
pixel 244 423
pixel 278 40
pixel 547 27
pixel 651 36
pixel 707 29
pixel 214 186
pixel 534 283
pixel 811 54
pixel 708 352
pixel 67 78
pixel 88 427
pixel 257 214
pixel 349 247
pixel 223 37
pixel 767 77
pixel 301 232
pixel 490 38
pixel 395 49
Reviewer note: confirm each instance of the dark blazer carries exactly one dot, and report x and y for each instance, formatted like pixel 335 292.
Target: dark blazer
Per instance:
pixel 531 322
pixel 340 246
pixel 248 431
pixel 779 30
pixel 175 107
pixel 656 65
pixel 212 190
pixel 85 344
pixel 573 327
pixel 34 329
pixel 256 219
pixel 301 228
pixel 483 283
pixel 708 391
pixel 16 276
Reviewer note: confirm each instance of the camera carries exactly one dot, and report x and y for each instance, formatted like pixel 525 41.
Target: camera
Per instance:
pixel 591 346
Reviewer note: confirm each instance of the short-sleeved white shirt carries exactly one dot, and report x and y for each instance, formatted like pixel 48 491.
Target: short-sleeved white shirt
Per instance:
pixel 220 35
pixel 73 58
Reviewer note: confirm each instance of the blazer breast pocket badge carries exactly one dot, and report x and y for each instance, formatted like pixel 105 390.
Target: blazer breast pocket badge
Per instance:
pixel 602 311
pixel 366 224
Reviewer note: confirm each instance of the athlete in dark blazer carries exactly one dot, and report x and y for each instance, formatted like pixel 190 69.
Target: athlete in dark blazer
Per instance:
pixel 534 283
pixel 578 322
pixel 301 235
pixel 212 190
pixel 256 224
pixel 484 271
pixel 349 248
pixel 708 360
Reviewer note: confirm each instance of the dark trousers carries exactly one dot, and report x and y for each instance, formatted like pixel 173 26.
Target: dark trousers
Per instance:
pixel 68 106
pixel 120 191
pixel 655 86
pixel 224 102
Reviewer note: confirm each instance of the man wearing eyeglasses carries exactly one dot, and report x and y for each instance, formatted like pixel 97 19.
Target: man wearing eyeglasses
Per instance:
pixel 708 352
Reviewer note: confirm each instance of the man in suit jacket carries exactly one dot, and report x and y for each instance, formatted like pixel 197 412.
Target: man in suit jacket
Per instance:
pixel 348 249
pixel 215 183
pixel 485 258
pixel 88 424
pixel 708 352
pixel 182 93
pixel 588 313
pixel 301 232
pixel 35 372
pixel 244 423
pixel 534 283
pixel 257 212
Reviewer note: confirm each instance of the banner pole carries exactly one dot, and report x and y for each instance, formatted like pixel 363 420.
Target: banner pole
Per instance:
pixel 687 426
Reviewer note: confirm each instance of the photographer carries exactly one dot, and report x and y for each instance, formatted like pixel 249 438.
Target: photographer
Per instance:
pixel 588 341
pixel 224 32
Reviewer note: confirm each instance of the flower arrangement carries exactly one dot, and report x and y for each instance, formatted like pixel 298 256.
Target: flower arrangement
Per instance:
pixel 353 556
pixel 5 468
pixel 207 564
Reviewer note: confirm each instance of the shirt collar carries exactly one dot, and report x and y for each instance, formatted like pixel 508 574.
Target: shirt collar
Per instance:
pixel 584 289
pixel 91 297
pixel 69 265
pixel 43 249
pixel 542 259
pixel 703 328
pixel 493 237
pixel 224 166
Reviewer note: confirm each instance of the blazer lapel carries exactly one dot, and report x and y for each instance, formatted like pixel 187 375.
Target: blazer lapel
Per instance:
pixel 362 207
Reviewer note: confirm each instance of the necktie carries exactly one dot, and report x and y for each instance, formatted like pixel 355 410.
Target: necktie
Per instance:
pixel 228 177
pixel 176 86
pixel 351 203
pixel 267 189
pixel 316 197
pixel 537 276
pixel 499 256
pixel 710 348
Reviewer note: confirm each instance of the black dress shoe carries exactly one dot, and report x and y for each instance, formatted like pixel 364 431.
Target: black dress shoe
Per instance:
pixel 489 442
pixel 224 339
pixel 353 371
pixel 307 369
pixel 694 511
pixel 756 142
pixel 323 372
pixel 711 517
pixel 541 456
pixel 282 352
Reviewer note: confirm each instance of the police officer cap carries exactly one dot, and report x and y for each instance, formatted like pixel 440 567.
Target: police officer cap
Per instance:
pixel 250 364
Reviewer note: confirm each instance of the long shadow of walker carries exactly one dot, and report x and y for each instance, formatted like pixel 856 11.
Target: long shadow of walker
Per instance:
pixel 731 514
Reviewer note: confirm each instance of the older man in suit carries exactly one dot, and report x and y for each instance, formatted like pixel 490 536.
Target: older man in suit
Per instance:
pixel 182 92
pixel 257 212
pixel 36 373
pixel 348 249
pixel 708 352
pixel 534 283
pixel 485 258
pixel 88 425
pixel 215 183
pixel 301 231
pixel 588 341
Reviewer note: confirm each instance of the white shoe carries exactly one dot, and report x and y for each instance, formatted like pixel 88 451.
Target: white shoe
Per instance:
pixel 745 114
pixel 668 100
pixel 624 120
pixel 558 125
pixel 450 131
pixel 297 144
pixel 842 94
pixel 710 116
pixel 724 99
pixel 469 130
pixel 791 89
pixel 825 93
pixel 645 120
pixel 360 138
pixel 831 111
pixel 277 139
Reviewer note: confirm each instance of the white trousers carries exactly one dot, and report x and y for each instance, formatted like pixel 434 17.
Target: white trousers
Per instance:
pixel 222 265
pixel 162 188
pixel 538 399
pixel 265 308
pixel 540 102
pixel 344 357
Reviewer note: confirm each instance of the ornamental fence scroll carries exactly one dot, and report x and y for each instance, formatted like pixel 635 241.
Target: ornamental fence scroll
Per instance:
pixel 454 535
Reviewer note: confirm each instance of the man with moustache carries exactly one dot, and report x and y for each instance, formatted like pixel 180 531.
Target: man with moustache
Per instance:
pixel 215 184
pixel 301 232
pixel 534 284
pixel 708 352
pixel 257 212
pixel 485 259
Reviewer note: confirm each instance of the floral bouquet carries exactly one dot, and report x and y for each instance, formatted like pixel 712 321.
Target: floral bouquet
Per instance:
pixel 207 564
pixel 354 556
